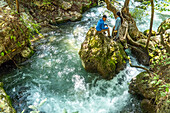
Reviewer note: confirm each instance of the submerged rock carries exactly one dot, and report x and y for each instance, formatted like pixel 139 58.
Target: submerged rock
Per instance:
pixel 101 54
pixel 5 102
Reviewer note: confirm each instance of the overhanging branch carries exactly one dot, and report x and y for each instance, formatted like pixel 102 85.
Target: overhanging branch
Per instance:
pixel 111 7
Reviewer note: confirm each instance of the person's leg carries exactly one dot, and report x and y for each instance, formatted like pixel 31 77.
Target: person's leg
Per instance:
pixel 108 31
pixel 113 31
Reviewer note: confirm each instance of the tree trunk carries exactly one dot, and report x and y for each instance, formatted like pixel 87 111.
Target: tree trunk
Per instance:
pixel 17 6
pixel 111 7
pixel 126 5
pixel 151 24
pixel 133 34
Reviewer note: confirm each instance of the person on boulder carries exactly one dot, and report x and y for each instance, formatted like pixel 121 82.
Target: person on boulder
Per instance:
pixel 101 27
pixel 119 21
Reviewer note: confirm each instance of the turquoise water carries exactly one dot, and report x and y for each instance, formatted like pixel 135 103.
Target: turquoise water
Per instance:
pixel 55 72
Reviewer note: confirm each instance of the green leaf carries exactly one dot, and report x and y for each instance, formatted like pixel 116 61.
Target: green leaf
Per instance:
pixel 153 82
pixel 163 94
pixel 2 53
pixel 167 89
pixel 159 81
pixel 14 38
pixel 11 37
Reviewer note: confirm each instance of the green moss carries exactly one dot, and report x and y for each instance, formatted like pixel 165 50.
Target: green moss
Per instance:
pixel 146 32
pixel 5 104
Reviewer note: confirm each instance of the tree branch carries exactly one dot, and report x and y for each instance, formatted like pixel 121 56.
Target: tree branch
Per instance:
pixel 111 7
pixel 151 24
pixel 147 70
pixel 132 42
pixel 17 6
pixel 126 6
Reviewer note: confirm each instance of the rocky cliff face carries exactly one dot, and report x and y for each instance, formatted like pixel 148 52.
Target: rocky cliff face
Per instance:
pixel 101 54
pixel 56 11
pixel 14 36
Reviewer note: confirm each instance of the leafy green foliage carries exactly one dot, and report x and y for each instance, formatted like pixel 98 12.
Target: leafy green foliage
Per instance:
pixel 46 2
pixel 137 13
pixel 2 53
pixel 159 5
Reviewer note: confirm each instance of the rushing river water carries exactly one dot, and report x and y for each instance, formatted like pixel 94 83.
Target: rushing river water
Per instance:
pixel 55 72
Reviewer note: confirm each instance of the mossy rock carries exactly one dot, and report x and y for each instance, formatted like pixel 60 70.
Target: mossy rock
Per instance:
pixel 146 32
pixel 101 54
pixel 151 90
pixel 5 102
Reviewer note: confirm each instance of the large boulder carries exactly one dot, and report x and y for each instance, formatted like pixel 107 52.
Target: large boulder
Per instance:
pixel 5 102
pixel 101 54
pixel 154 88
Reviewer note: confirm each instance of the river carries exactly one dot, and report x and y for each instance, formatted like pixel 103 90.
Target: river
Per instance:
pixel 55 72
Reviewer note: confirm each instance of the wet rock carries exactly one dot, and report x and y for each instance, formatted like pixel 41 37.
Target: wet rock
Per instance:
pixel 142 86
pixel 152 89
pixel 76 16
pixel 101 54
pixel 66 5
pixel 5 102
pixel 147 106
pixel 26 52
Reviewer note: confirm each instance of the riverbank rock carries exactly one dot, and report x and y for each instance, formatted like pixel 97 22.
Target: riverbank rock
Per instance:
pixel 5 102
pixel 101 54
pixel 56 11
pixel 14 35
pixel 154 88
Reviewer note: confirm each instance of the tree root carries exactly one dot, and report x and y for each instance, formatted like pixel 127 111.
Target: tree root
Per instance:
pixel 147 70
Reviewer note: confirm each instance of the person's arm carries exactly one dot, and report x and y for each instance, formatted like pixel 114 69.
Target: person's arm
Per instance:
pixel 117 24
pixel 104 27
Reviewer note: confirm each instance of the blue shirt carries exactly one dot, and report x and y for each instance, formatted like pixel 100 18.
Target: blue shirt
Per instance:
pixel 100 25
pixel 117 26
